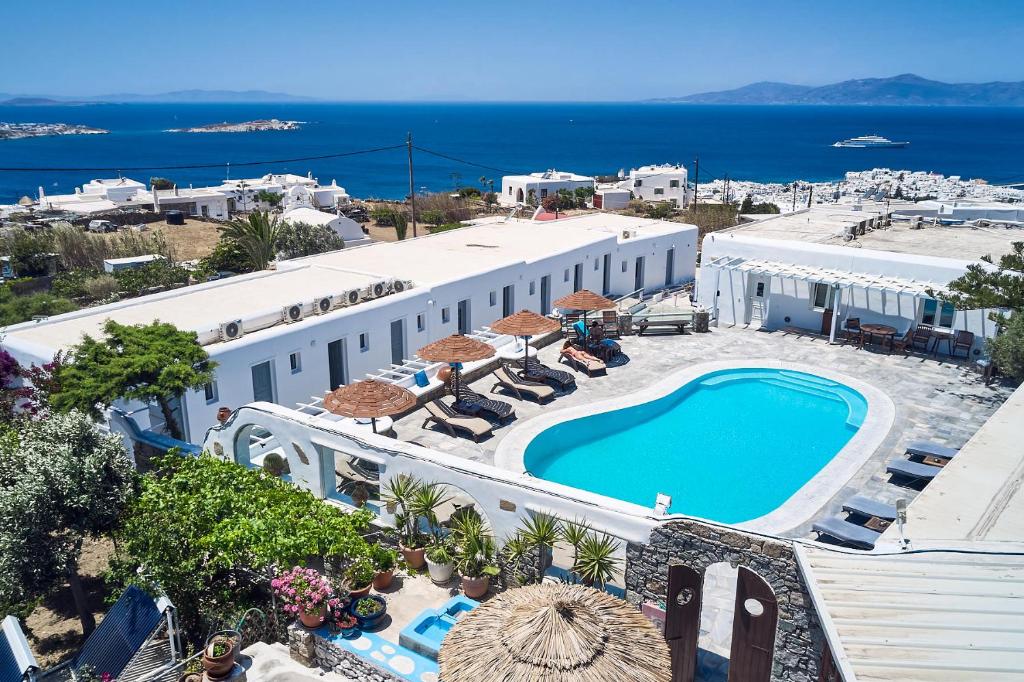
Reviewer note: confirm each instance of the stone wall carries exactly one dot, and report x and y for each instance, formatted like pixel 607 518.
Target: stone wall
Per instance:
pixel 313 651
pixel 798 639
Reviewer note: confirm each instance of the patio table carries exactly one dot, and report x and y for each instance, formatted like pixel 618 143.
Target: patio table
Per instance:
pixel 883 331
pixel 942 336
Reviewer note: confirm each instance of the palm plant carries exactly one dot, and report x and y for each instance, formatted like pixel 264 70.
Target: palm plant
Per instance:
pixel 541 532
pixel 398 494
pixel 425 502
pixel 574 532
pixel 256 236
pixel 475 550
pixel 596 562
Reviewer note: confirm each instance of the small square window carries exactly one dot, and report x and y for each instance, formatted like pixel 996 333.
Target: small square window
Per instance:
pixel 543 193
pixel 210 392
pixel 638 183
pixel 510 190
pixel 493 298
pixel 673 184
pixel 625 266
pixel 421 322
pixel 295 362
pixel 659 190
pixel 565 277
pixel 822 296
pixel 446 315
pixel 364 342
pixel 533 288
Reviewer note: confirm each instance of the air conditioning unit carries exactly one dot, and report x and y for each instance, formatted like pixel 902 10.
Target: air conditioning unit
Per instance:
pixel 375 290
pixel 628 234
pixel 401 285
pixel 231 330
pixel 292 313
pixel 350 297
pixel 323 305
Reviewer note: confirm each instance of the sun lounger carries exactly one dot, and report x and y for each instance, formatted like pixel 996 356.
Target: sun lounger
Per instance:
pixel 865 506
pixel 443 415
pixel 846 532
pixel 509 381
pixel 475 404
pixel 587 365
pixel 536 371
pixel 922 448
pixel 914 470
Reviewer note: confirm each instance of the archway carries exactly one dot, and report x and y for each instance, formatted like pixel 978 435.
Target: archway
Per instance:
pixel 718 600
pixel 257 447
pixel 519 195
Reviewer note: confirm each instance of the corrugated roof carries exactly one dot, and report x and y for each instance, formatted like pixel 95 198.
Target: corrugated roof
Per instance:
pixel 925 616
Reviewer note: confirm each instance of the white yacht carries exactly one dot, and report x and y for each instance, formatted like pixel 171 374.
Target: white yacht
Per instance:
pixel 869 141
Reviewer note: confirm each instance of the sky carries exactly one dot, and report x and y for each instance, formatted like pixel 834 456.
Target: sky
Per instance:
pixel 521 50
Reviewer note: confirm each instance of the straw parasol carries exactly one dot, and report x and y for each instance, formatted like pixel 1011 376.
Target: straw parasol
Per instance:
pixel 456 349
pixel 554 632
pixel 525 323
pixel 370 398
pixel 584 300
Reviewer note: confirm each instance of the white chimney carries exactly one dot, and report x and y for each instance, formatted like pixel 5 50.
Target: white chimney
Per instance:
pixel 42 194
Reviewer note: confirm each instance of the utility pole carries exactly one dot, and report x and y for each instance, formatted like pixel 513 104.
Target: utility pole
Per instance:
pixel 412 186
pixel 696 179
pixel 726 195
pixel 794 197
pixel 810 194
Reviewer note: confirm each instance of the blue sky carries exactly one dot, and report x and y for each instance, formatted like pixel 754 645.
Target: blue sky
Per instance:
pixel 519 50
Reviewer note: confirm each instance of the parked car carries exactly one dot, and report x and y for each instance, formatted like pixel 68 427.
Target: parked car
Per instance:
pixel 101 226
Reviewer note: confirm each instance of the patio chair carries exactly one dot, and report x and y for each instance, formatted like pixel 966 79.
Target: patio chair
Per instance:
pixel 568 321
pixel 846 532
pixel 904 343
pixel 852 330
pixel 923 448
pixel 610 323
pixel 964 340
pixel 451 421
pixel 581 360
pixel 534 370
pixel 866 506
pixel 509 381
pixel 922 337
pixel 915 471
pixel 474 404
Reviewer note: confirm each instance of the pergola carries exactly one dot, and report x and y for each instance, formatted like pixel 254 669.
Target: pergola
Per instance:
pixel 891 290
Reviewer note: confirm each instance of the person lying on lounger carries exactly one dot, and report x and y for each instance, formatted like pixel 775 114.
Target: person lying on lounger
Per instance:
pixel 578 354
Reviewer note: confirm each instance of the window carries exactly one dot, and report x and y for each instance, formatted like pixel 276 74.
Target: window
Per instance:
pixel 673 184
pixel 364 342
pixel 492 298
pixel 510 190
pixel 625 266
pixel 421 322
pixel 533 287
pixel 210 392
pixel 638 183
pixel 822 296
pixel 295 362
pixel 597 264
pixel 565 277
pixel 760 290
pixel 659 190
pixel 446 315
pixel 543 193
pixel 936 316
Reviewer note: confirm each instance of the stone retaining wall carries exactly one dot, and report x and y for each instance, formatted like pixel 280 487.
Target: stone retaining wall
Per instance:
pixel 314 651
pixel 798 639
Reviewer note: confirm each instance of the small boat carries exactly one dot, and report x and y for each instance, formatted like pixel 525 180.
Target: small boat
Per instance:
pixel 869 141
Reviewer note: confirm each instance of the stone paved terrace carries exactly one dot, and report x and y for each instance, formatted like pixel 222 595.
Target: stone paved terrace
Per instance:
pixel 936 398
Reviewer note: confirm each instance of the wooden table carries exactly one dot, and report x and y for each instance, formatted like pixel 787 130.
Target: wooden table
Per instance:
pixel 939 336
pixel 875 523
pixel 884 331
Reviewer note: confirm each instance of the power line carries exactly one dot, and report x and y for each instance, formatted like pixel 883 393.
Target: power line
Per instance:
pixel 464 161
pixel 113 169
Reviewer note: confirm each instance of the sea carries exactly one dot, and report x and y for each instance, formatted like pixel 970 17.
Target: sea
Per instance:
pixel 465 143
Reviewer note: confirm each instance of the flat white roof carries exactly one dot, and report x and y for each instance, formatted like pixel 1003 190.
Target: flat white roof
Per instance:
pixel 148 258
pixel 552 175
pixel 308 215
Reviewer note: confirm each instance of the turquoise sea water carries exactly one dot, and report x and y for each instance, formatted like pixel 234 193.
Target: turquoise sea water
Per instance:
pixel 730 446
pixel 762 143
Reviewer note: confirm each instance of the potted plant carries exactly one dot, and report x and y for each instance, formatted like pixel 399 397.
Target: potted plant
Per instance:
pixel 475 557
pixel 359 575
pixel 595 561
pixel 219 657
pixel 440 562
pixel 347 625
pixel 414 505
pixel 233 635
pixel 384 561
pixel 275 465
pixel 305 594
pixel 369 610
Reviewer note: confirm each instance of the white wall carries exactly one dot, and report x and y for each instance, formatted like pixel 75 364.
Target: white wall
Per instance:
pixel 511 184
pixel 653 180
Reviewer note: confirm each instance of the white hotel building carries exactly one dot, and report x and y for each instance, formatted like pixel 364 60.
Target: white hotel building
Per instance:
pixel 517 189
pixel 287 335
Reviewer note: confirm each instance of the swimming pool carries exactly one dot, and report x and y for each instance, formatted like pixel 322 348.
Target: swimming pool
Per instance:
pixel 729 445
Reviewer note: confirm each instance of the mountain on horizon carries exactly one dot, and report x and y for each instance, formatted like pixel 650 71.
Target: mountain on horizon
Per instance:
pixel 903 90
pixel 177 96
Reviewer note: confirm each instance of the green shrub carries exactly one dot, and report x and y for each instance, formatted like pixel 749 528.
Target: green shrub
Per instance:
pixel 1007 349
pixel 15 309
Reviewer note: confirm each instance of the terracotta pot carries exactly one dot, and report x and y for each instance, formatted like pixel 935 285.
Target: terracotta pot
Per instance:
pixel 414 558
pixel 361 592
pixel 474 588
pixel 444 375
pixel 223 414
pixel 382 580
pixel 313 620
pixel 218 667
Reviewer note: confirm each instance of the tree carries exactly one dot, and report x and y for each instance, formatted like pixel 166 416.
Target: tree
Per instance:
pixel 269 198
pixel 161 183
pixel 29 251
pixel 15 309
pixel 401 222
pixel 256 236
pixel 61 481
pixel 154 362
pixel 210 531
pixel 302 239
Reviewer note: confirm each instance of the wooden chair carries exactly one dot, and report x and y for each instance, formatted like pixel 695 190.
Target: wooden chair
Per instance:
pixel 905 343
pixel 568 321
pixel 964 340
pixel 921 338
pixel 852 330
pixel 610 323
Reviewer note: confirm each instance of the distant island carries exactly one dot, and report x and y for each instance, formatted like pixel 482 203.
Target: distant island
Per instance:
pixel 15 131
pixel 903 90
pixel 256 126
pixel 177 96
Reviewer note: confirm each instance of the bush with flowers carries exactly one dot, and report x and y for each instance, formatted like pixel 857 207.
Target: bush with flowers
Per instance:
pixel 306 591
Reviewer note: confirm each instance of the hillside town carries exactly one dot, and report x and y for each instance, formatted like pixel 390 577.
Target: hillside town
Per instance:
pixel 17 131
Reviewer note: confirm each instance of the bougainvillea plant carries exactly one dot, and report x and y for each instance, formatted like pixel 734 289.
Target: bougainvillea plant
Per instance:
pixel 304 590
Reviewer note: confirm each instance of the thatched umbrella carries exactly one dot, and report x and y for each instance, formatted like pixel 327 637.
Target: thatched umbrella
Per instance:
pixel 554 632
pixel 525 323
pixel 456 349
pixel 584 300
pixel 370 398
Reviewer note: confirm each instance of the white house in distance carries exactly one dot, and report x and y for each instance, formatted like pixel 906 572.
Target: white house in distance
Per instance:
pixel 316 323
pixel 515 189
pixel 815 269
pixel 346 228
pixel 201 202
pixel 105 194
pixel 666 182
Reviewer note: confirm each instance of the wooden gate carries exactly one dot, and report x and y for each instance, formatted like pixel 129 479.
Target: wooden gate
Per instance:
pixel 682 620
pixel 754 619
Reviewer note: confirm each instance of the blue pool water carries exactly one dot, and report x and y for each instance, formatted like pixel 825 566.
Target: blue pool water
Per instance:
pixel 730 446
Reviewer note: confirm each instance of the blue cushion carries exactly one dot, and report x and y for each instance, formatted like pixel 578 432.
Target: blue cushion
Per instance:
pixel 421 379
pixel 580 329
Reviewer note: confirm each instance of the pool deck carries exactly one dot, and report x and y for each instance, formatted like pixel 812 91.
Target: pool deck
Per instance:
pixel 935 398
